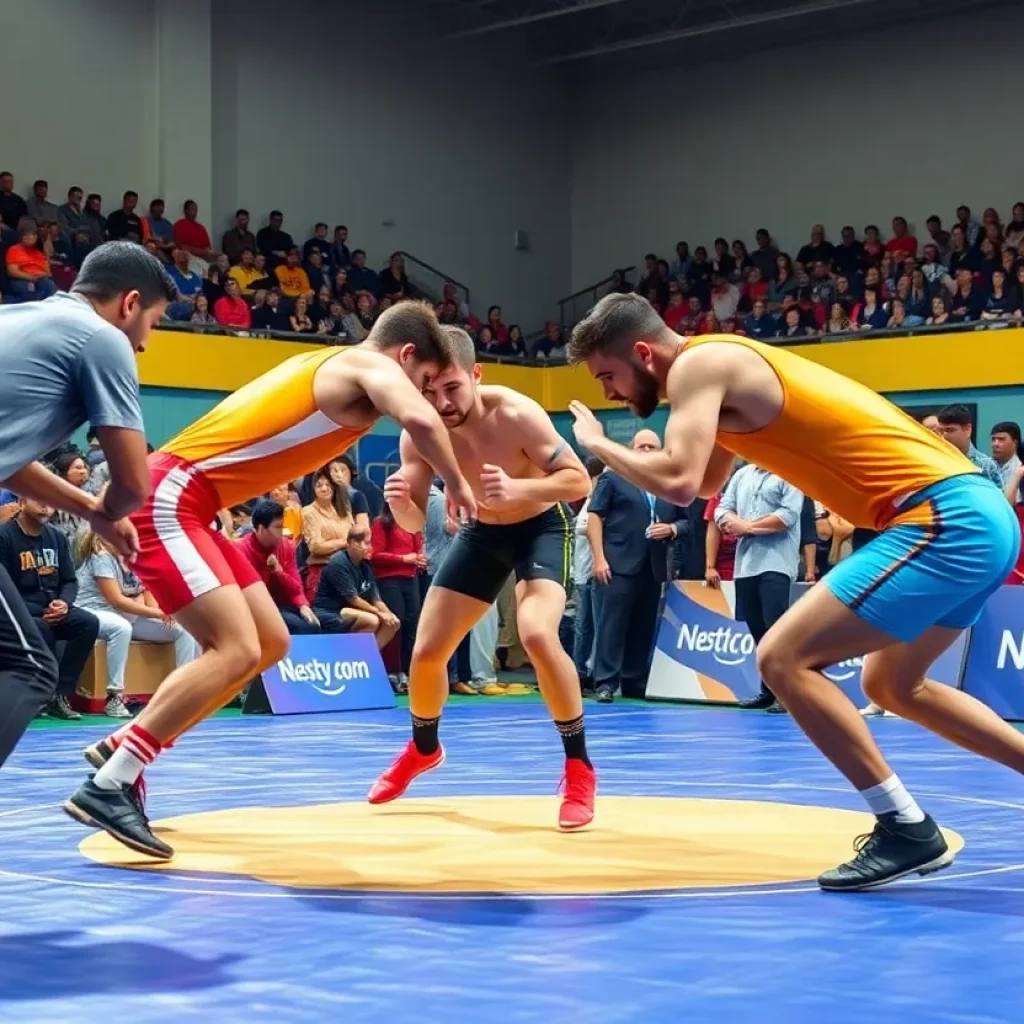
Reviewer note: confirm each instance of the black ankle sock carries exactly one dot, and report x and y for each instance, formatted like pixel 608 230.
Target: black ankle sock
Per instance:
pixel 574 739
pixel 424 734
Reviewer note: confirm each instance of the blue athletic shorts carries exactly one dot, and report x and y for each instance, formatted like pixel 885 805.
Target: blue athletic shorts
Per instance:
pixel 951 546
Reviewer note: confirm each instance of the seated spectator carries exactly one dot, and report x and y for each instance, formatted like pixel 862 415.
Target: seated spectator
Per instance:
pixel 38 207
pixel 1015 228
pixel 274 242
pixel 12 206
pixel 231 310
pixel 765 254
pixel 619 285
pixel 158 229
pixel 38 560
pixel 966 222
pixel 755 288
pixel 72 468
pixel 784 284
pixel 722 264
pixel 300 321
pixel 341 286
pixel 213 284
pixel 968 300
pixel 873 247
pixel 365 497
pixel 319 308
pixel 267 280
pixel 393 282
pixel 326 523
pixel 494 321
pixel 790 326
pixel 650 274
pixel 839 319
pixel 318 243
pixel 742 260
pixel 822 287
pixel 818 250
pixel 690 323
pixel 347 599
pixel 699 275
pixel 675 310
pixel 760 323
pixel 270 316
pixel 486 343
pixel 58 251
pixel 999 303
pixel 939 237
pixel 341 258
pixel 272 555
pixel 956 425
pixel 93 220
pixel 873 279
pixel 1009 262
pixel 28 270
pixel 191 235
pixel 848 256
pixel 990 259
pixel 318 272
pixel 125 224
pixel 201 312
pixel 897 315
pixel 677 269
pixel 126 612
pixel 960 254
pixel 902 244
pixel 291 278
pixel 725 298
pixel 360 277
pixel 245 273
pixel 189 283
pixel 918 299
pixel 552 345
pixel 237 239
pixel 516 344
pixel 70 215
pixel 844 292
pixel 710 324
pixel 332 325
pixel 871 314
pixel 1018 286
pixel 397 560
pixel 940 314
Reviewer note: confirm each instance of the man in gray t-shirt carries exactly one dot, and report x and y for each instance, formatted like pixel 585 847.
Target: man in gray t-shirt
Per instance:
pixel 67 361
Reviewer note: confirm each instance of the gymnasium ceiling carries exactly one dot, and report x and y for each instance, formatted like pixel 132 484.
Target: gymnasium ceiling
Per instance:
pixel 592 36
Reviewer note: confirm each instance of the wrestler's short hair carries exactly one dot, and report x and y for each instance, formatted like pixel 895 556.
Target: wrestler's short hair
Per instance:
pixel 616 323
pixel 460 345
pixel 412 323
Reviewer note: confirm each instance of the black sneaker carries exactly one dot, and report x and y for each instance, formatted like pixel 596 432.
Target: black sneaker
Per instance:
pixel 604 695
pixel 893 850
pixel 117 813
pixel 761 702
pixel 775 708
pixel 98 754
pixel 61 708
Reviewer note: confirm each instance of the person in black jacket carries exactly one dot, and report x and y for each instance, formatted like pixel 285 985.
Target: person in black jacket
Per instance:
pixel 37 558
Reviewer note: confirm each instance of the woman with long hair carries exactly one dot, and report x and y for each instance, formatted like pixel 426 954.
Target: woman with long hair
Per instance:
pixel 397 560
pixel 73 468
pixel 326 523
pixel 126 612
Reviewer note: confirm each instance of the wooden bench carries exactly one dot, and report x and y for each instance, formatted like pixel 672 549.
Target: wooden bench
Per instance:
pixel 148 666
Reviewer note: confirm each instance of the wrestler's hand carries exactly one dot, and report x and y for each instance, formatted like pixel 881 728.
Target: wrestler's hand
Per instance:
pixel 498 486
pixel 397 493
pixel 587 427
pixel 118 532
pixel 460 499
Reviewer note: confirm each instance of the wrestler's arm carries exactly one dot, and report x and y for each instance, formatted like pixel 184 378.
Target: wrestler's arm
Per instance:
pixel 716 476
pixel 417 474
pixel 565 478
pixel 696 389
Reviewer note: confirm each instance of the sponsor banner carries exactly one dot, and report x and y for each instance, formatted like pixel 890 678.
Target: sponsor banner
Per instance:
pixel 329 673
pixel 703 654
pixel 994 672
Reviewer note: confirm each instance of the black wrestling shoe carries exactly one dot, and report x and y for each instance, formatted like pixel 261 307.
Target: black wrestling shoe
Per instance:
pixel 893 850
pixel 98 754
pixel 117 813
pixel 761 702
pixel 775 708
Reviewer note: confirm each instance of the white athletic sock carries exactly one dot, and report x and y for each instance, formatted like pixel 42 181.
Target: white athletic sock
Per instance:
pixel 891 797
pixel 137 749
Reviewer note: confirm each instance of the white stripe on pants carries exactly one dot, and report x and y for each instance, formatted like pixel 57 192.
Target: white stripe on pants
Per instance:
pixel 118 631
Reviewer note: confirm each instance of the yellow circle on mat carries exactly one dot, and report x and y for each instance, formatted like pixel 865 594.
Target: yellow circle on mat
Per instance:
pixel 507 844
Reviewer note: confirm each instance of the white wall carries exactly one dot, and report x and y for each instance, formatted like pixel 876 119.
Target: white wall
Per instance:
pixel 364 120
pixel 913 121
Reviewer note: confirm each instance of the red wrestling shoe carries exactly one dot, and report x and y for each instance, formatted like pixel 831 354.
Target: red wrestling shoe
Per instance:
pixel 407 766
pixel 579 784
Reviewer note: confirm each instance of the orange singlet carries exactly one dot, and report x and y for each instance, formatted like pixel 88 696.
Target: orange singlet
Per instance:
pixel 841 442
pixel 268 432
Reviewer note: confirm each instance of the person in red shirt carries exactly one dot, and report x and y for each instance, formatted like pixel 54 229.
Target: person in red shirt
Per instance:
pixel 902 244
pixel 231 310
pixel 28 269
pixel 719 548
pixel 675 310
pixel 397 559
pixel 272 555
pixel 191 235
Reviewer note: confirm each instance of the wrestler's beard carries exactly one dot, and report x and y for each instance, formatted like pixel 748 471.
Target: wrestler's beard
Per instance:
pixel 455 419
pixel 645 400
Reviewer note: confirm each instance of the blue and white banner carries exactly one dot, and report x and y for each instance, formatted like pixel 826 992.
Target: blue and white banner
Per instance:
pixel 994 672
pixel 329 672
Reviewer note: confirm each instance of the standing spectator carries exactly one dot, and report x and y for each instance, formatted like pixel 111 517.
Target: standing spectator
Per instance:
pixel 158 229
pixel 291 278
pixel 763 512
pixel 818 250
pixel 69 216
pixel 191 235
pixel 341 258
pixel 318 243
pixel 326 524
pixel 618 518
pixel 272 555
pixel 366 498
pixel 1006 449
pixel 28 269
pixel 765 254
pixel 274 242
pixel 113 593
pixel 347 599
pixel 37 558
pixel 956 426
pixel 38 207
pixel 902 244
pixel 125 224
pixel 397 560
pixel 238 238
pixel 231 310
pixel 12 206
pixel 584 588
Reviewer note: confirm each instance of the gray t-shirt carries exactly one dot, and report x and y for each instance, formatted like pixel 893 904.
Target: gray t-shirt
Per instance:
pixel 103 566
pixel 61 365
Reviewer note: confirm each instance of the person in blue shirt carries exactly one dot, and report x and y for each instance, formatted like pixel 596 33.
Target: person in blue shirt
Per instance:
pixel 360 277
pixel 760 323
pixel 188 283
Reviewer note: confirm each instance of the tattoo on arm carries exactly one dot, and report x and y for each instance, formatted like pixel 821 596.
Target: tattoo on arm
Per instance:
pixel 555 455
